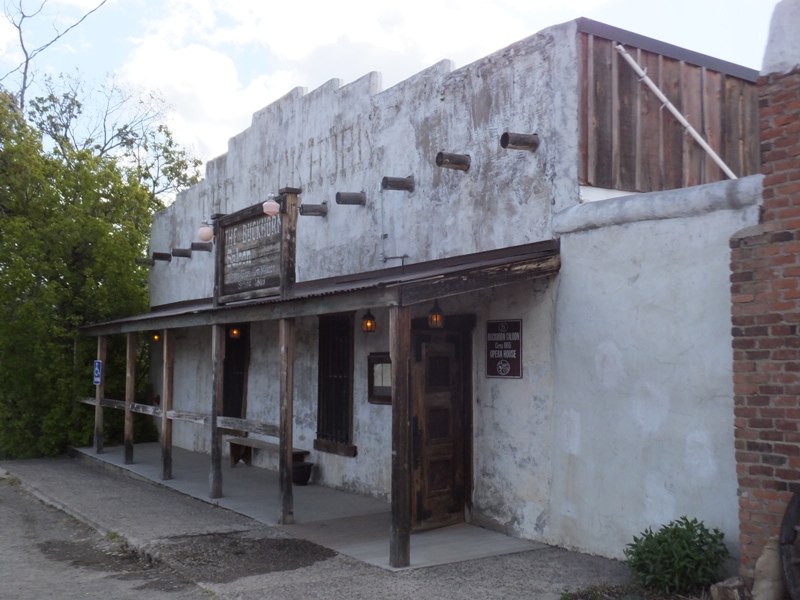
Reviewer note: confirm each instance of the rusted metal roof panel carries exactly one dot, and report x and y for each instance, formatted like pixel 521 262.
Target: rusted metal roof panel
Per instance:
pixel 395 286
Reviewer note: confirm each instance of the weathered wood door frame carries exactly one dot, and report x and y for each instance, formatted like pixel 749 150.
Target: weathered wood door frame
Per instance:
pixel 460 326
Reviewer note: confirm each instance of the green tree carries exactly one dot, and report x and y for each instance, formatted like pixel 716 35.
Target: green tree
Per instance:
pixel 70 229
pixel 82 169
pixel 74 215
pixel 113 120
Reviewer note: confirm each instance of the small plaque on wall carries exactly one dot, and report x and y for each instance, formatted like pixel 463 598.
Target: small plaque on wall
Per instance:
pixel 504 349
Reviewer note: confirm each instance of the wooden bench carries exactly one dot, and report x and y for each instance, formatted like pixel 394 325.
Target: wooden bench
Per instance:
pixel 241 448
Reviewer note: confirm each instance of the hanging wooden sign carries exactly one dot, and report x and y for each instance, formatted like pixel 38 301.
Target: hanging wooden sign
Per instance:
pixel 504 349
pixel 248 255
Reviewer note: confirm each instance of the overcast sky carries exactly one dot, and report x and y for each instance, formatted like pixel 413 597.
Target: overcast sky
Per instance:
pixel 216 62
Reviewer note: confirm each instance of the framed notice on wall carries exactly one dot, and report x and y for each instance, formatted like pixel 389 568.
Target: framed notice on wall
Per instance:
pixel 504 349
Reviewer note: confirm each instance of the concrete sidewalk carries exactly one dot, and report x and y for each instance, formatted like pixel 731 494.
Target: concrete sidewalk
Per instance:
pixel 131 504
pixel 351 524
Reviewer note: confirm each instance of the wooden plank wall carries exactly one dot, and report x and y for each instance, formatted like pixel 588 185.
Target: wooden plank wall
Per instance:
pixel 629 142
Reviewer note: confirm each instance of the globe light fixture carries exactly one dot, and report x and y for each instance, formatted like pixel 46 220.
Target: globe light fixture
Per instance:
pixel 206 232
pixel 271 208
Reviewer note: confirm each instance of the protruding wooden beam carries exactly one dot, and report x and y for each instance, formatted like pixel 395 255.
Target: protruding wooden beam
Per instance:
pixel 130 393
pixel 217 394
pixel 459 162
pixel 286 339
pixel 351 198
pixel 398 183
pixel 520 141
pixel 314 210
pixel 165 256
pixel 202 246
pixel 182 252
pixel 166 405
pixel 100 392
pixel 144 262
pixel 400 353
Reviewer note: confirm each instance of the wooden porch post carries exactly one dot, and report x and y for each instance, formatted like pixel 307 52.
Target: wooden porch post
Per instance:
pixel 130 392
pixel 286 339
pixel 400 349
pixel 218 360
pixel 166 406
pixel 99 395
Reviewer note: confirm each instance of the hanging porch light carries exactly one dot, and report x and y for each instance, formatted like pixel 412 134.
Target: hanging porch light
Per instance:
pixel 436 316
pixel 368 322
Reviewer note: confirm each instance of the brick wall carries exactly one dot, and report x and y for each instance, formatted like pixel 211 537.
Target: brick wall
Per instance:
pixel 765 290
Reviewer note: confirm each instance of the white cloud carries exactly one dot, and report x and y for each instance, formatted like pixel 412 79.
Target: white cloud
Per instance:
pixel 218 61
pixel 82 6
pixel 9 48
pixel 210 102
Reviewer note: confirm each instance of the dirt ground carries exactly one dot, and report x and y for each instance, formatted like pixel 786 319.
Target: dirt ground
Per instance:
pixel 44 553
pixel 226 557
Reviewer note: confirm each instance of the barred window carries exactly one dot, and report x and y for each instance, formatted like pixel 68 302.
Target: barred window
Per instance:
pixel 335 391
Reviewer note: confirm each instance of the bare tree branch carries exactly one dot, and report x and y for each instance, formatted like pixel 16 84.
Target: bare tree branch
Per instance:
pixel 118 123
pixel 16 15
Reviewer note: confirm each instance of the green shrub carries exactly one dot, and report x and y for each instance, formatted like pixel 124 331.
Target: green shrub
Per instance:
pixel 683 556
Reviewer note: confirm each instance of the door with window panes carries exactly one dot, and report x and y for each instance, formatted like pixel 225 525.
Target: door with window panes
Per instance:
pixel 438 431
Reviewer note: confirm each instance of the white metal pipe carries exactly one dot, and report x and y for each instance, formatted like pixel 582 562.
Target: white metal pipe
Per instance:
pixel 692 131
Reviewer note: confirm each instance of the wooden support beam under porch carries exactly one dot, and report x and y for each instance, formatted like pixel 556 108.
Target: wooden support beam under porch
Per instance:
pixel 217 384
pixel 130 393
pixel 286 340
pixel 400 353
pixel 166 404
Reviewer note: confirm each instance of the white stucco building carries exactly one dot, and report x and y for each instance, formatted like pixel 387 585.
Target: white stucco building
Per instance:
pixel 580 388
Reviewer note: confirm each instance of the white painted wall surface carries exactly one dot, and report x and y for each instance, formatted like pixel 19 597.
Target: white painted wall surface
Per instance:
pixel 348 138
pixel 181 278
pixel 369 471
pixel 513 418
pixel 643 404
pixel 783 52
pixel 191 383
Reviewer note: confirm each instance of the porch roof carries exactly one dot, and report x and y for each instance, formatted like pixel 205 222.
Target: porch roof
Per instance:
pixel 395 286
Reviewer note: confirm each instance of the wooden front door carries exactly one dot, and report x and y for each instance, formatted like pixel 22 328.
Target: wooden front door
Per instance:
pixel 437 426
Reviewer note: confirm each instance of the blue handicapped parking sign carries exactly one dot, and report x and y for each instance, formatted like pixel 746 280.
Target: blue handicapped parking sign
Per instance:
pixel 98 372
